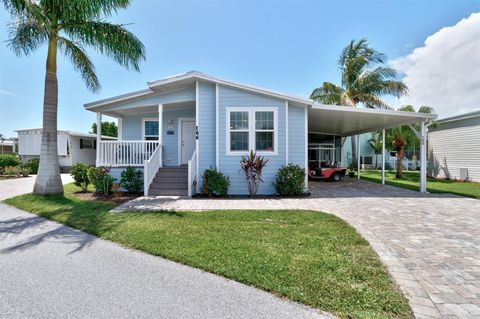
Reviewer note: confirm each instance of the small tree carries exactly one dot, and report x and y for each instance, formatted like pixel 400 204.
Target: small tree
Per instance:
pixel 376 143
pixel 108 129
pixel 252 165
pixel 79 173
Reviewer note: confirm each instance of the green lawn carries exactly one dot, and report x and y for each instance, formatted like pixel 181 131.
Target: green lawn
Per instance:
pixel 310 257
pixel 411 180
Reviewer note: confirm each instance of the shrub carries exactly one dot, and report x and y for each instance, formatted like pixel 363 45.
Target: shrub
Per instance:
pixel 32 164
pixel 9 161
pixel 290 180
pixel 101 179
pixel 131 180
pixel 253 165
pixel 214 183
pixel 79 173
pixel 12 170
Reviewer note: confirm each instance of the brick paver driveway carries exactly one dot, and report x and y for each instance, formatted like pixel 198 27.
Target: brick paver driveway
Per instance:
pixel 430 243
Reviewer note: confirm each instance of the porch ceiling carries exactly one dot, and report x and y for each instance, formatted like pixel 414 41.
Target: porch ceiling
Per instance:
pixel 346 121
pixel 148 109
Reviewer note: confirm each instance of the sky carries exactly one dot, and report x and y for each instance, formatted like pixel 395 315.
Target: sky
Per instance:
pixel 290 46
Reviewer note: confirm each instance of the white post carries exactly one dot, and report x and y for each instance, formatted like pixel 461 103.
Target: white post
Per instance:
pixel 358 155
pixel 99 136
pixel 160 132
pixel 383 156
pixel 423 158
pixel 120 129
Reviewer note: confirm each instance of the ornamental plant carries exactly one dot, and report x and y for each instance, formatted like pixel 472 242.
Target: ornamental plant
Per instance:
pixel 290 180
pixel 252 165
pixel 79 172
pixel 131 180
pixel 214 183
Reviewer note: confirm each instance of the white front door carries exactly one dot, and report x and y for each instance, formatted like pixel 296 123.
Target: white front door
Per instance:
pixel 187 140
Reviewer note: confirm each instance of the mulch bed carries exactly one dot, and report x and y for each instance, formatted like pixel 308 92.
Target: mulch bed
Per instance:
pixel 117 200
pixel 201 196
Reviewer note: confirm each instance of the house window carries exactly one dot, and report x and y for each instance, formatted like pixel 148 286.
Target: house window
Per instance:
pixel 150 130
pixel 239 131
pixel 86 144
pixel 251 128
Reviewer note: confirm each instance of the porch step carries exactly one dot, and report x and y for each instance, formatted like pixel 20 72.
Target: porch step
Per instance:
pixel 170 181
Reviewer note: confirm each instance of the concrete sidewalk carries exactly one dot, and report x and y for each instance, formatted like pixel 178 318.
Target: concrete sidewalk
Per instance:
pixel 48 270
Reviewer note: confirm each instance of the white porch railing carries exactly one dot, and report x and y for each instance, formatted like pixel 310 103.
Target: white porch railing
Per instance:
pixel 150 169
pixel 125 153
pixel 192 173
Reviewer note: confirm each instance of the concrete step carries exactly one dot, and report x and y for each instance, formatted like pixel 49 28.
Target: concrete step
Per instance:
pixel 168 192
pixel 176 185
pixel 172 174
pixel 173 169
pixel 169 179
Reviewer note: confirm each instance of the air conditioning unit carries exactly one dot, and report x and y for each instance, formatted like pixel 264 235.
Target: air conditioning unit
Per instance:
pixel 464 174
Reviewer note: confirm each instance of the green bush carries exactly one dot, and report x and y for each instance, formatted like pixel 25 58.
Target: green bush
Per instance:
pixel 12 170
pixel 8 161
pixel 131 180
pixel 32 164
pixel 79 172
pixel 290 180
pixel 214 183
pixel 101 179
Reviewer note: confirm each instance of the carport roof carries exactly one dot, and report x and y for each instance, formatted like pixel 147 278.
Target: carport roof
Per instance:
pixel 346 121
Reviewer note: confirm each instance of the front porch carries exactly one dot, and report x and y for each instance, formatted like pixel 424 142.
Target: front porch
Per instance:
pixel 153 138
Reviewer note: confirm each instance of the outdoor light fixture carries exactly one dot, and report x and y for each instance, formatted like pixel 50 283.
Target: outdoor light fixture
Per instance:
pixel 170 127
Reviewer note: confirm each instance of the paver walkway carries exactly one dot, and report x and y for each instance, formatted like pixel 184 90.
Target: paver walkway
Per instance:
pixel 48 270
pixel 18 186
pixel 430 242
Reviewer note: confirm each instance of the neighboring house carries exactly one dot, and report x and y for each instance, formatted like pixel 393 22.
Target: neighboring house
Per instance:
pixel 73 147
pixel 182 125
pixel 8 147
pixel 454 147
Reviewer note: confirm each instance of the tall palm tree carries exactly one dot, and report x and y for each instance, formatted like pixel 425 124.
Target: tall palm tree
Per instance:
pixel 375 143
pixel 403 136
pixel 69 26
pixel 364 80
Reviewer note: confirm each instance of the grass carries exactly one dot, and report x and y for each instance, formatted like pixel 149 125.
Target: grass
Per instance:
pixel 411 180
pixel 310 257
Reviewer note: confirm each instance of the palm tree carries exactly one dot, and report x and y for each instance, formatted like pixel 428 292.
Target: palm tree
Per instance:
pixel 364 80
pixel 403 136
pixel 69 26
pixel 375 143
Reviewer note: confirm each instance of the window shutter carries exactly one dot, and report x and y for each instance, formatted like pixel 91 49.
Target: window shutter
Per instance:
pixel 81 143
pixel 94 144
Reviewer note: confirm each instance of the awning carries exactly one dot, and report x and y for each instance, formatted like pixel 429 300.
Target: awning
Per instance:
pixel 347 121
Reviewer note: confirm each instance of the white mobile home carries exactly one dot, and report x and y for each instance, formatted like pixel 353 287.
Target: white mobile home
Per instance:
pixel 73 147
pixel 454 147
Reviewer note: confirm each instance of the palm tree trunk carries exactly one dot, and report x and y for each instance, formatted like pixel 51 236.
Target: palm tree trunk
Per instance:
pixel 48 179
pixel 399 163
pixel 354 151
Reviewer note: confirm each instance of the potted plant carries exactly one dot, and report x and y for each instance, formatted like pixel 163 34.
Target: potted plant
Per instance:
pixel 252 165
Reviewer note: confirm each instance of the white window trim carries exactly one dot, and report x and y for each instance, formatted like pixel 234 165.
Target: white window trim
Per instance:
pixel 149 119
pixel 251 130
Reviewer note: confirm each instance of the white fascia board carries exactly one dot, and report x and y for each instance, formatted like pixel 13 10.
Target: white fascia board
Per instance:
pixel 116 99
pixel 342 108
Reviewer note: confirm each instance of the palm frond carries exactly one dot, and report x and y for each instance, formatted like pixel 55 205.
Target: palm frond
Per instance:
pixel 426 109
pixel 328 93
pixel 81 62
pixel 68 10
pixel 26 35
pixel 113 40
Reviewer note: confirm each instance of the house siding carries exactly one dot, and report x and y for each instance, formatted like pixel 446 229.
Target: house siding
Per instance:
pixel 296 135
pixel 455 145
pixel 206 128
pixel 230 164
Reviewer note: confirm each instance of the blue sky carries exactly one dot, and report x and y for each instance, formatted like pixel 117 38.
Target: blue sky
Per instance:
pixel 287 46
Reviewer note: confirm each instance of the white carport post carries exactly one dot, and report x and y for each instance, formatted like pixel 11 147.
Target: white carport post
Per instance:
pixel 160 132
pixel 423 157
pixel 99 136
pixel 383 156
pixel 358 155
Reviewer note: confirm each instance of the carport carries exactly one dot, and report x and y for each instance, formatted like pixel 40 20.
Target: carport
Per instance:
pixel 346 121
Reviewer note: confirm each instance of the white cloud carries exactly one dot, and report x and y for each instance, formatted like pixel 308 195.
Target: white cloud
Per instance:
pixel 445 72
pixel 2 92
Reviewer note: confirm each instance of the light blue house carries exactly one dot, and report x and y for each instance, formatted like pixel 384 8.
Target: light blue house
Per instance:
pixel 181 125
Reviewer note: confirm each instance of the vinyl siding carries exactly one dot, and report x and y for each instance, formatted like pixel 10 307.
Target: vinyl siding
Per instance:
pixel 296 135
pixel 455 145
pixel 206 128
pixel 230 165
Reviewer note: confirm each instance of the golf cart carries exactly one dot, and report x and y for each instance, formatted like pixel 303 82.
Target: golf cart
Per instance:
pixel 327 171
